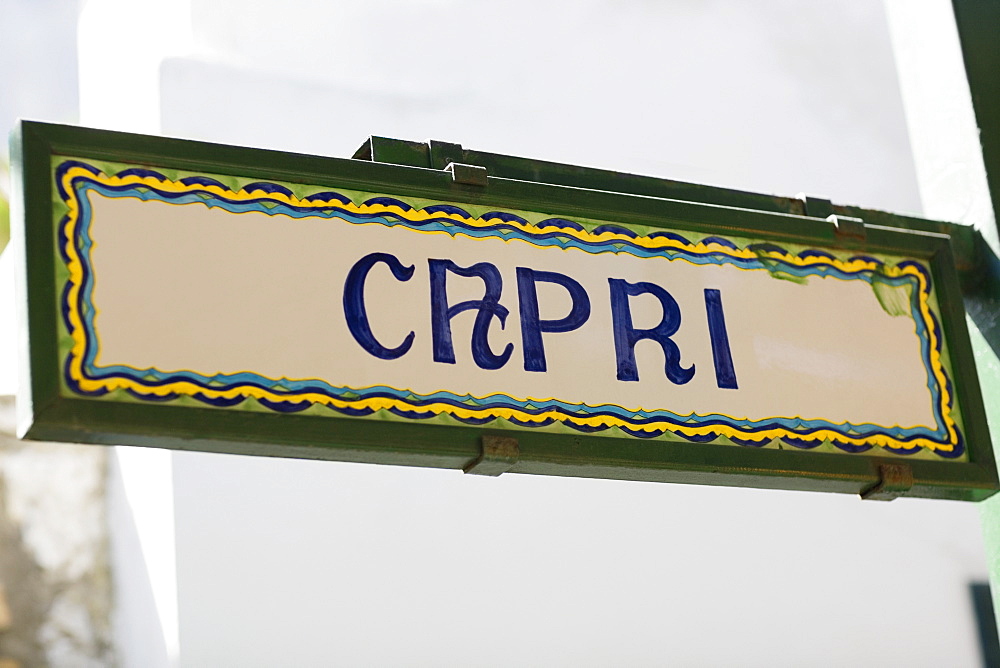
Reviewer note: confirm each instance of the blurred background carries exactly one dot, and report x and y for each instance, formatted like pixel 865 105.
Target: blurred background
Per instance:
pixel 135 557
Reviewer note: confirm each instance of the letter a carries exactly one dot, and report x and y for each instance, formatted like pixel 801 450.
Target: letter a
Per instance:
pixel 488 308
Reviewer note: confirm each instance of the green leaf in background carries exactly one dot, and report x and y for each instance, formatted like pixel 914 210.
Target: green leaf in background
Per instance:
pixel 4 223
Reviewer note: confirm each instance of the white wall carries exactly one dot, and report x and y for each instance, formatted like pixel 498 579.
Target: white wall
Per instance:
pixel 54 562
pixel 765 95
pixel 38 61
pixel 284 562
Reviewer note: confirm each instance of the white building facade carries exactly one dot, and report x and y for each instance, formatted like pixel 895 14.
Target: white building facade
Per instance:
pixel 226 560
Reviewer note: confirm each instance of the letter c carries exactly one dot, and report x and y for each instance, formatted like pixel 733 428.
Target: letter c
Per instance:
pixel 357 314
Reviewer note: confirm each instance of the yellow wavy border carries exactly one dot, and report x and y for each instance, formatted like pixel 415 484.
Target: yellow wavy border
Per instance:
pixel 77 351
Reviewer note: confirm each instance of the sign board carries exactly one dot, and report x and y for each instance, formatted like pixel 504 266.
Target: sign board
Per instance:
pixel 206 297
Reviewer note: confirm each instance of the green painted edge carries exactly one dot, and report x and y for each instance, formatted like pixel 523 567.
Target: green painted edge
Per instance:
pixel 51 417
pixel 401 152
pixel 300 190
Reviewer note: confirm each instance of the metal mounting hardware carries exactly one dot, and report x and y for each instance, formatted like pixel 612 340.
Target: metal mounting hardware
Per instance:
pixel 895 480
pixel 470 175
pixel 816 207
pixel 441 153
pixel 498 455
pixel 847 227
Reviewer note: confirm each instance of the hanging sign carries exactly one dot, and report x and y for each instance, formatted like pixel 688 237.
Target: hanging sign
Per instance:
pixel 245 307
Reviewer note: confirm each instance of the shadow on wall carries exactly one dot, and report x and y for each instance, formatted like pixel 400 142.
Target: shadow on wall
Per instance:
pixel 986 622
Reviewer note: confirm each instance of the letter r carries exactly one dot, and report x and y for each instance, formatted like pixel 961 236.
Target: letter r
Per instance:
pixel 626 335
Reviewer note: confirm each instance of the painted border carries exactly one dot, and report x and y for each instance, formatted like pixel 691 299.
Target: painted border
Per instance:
pixel 955 253
pixel 74 178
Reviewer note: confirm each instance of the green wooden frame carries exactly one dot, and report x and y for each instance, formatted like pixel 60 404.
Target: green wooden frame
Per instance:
pixel 415 170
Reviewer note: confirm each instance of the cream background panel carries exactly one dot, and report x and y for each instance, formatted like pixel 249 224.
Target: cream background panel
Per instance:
pixel 186 287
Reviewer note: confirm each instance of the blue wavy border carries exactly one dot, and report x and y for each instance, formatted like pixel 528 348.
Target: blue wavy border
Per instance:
pixel 548 233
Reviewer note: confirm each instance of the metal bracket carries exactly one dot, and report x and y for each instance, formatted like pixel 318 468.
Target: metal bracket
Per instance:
pixel 498 455
pixel 894 480
pixel 848 228
pixel 441 153
pixel 845 227
pixel 470 175
pixel 816 207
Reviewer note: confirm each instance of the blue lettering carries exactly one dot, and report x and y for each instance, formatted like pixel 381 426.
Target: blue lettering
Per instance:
pixel 725 373
pixel 488 308
pixel 532 325
pixel 626 335
pixel 357 314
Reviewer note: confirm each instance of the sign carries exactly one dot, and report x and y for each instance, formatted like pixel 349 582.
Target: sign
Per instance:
pixel 367 312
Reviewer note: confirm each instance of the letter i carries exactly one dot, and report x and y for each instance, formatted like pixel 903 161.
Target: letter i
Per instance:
pixel 725 373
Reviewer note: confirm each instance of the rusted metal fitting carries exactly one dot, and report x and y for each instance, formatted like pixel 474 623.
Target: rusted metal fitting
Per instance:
pixel 847 227
pixel 498 455
pixel 895 480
